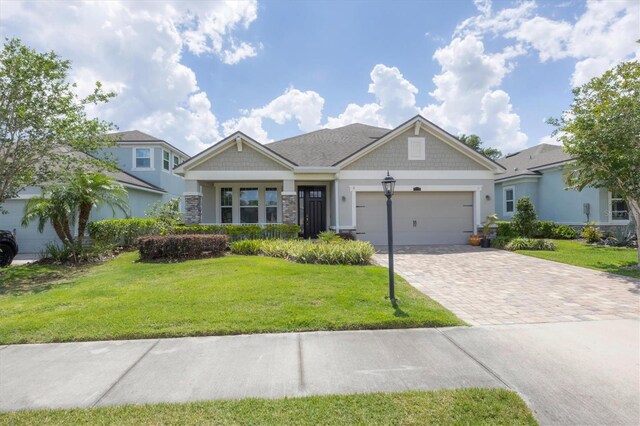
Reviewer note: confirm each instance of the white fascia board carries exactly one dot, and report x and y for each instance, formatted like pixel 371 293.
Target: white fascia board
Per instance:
pixel 238 175
pixel 423 188
pixel 418 174
pixel 141 188
pixel 522 179
pixel 308 169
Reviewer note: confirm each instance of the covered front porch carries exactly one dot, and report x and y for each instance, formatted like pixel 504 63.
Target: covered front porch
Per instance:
pixel 306 202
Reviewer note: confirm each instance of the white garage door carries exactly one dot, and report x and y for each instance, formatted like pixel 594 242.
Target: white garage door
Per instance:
pixel 29 239
pixel 418 217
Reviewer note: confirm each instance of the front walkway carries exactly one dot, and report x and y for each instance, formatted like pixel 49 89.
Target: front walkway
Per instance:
pixel 568 373
pixel 488 286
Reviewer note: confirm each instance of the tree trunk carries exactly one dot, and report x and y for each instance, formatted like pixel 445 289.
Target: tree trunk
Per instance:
pixel 57 226
pixel 634 206
pixel 83 219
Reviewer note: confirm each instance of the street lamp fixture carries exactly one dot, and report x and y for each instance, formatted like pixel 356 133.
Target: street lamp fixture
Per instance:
pixel 388 186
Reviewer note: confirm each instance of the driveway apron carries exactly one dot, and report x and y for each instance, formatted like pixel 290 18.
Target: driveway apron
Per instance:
pixel 488 286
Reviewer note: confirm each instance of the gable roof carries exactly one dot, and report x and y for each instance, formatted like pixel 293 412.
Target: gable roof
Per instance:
pixel 136 136
pixel 225 143
pixel 325 147
pixel 420 122
pixel 525 162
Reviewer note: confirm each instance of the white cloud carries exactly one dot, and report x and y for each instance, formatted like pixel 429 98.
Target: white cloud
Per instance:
pixel 395 101
pixel 135 49
pixel 552 140
pixel 601 37
pixel 468 100
pixel 293 104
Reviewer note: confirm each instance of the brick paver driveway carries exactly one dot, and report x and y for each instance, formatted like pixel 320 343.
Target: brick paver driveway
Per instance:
pixel 487 286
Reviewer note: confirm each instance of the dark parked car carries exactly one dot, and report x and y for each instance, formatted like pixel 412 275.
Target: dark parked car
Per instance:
pixel 8 248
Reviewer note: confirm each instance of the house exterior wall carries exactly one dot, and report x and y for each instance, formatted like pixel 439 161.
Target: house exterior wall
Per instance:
pixel 173 184
pixel 555 203
pixel 394 155
pixel 232 159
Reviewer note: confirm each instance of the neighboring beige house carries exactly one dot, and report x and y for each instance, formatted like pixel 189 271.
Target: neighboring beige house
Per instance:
pixel 330 179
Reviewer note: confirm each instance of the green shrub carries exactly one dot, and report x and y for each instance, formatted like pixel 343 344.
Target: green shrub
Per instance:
pixel 328 237
pixel 333 253
pixel 505 229
pixel 524 220
pixel 565 232
pixel 591 233
pixel 242 232
pixel 167 214
pixel 500 242
pixel 246 247
pixel 520 243
pixel 545 229
pixel 544 245
pixel 122 232
pixel 180 247
pixel 347 235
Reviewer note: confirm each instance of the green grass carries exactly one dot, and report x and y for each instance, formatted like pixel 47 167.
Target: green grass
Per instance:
pixel 607 259
pixel 124 299
pixel 448 407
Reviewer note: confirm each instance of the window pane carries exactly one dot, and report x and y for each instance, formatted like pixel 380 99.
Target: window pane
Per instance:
pixel 176 160
pixel 143 163
pixel 249 215
pixel 271 197
pixel 248 197
pixel 165 160
pixel 509 194
pixel 619 210
pixel 272 214
pixel 227 215
pixel 509 206
pixel 226 197
pixel 143 152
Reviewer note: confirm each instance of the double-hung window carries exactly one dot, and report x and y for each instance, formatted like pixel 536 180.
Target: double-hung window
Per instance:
pixel 271 204
pixel 509 200
pixel 166 160
pixel 619 209
pixel 248 205
pixel 176 161
pixel 226 205
pixel 143 158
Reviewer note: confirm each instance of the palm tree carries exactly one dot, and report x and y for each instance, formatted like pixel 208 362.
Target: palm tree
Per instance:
pixel 94 190
pixel 62 204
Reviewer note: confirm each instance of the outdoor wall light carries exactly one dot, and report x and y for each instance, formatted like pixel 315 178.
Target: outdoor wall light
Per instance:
pixel 487 197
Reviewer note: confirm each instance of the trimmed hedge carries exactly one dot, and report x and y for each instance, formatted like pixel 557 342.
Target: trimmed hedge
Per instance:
pixel 125 232
pixel 281 231
pixel 180 247
pixel 543 229
pixel 332 253
pixel 505 229
pixel 122 232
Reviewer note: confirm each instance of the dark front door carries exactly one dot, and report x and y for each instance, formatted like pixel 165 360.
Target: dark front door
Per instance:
pixel 312 213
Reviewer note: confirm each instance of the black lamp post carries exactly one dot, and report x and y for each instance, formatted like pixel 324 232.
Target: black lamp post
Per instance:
pixel 388 185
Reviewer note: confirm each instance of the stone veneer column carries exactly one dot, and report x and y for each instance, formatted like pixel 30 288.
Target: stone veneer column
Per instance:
pixel 192 209
pixel 290 209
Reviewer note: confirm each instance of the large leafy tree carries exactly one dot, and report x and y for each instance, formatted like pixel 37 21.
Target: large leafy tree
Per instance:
pixel 474 142
pixel 43 121
pixel 601 131
pixel 64 204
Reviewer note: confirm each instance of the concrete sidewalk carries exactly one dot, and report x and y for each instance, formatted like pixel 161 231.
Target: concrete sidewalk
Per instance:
pixel 569 373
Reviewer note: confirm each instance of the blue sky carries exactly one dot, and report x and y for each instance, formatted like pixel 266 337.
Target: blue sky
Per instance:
pixel 191 72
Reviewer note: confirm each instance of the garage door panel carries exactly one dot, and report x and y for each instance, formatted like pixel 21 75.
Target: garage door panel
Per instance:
pixel 418 218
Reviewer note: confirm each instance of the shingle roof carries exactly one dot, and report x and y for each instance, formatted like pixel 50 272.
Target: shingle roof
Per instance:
pixel 326 147
pixel 132 136
pixel 521 163
pixel 126 178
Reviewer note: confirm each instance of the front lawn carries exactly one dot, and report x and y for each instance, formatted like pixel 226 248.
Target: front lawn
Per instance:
pixel 446 407
pixel 123 299
pixel 607 259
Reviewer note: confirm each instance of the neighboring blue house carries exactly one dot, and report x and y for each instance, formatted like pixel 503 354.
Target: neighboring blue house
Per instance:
pixel 146 171
pixel 538 173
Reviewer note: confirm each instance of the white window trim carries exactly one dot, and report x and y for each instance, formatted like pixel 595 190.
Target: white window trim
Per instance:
pixel 610 212
pixel 504 200
pixel 235 209
pixel 420 155
pixel 162 159
pixel 133 164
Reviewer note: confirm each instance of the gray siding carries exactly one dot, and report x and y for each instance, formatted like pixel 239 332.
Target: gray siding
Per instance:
pixel 394 155
pixel 232 159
